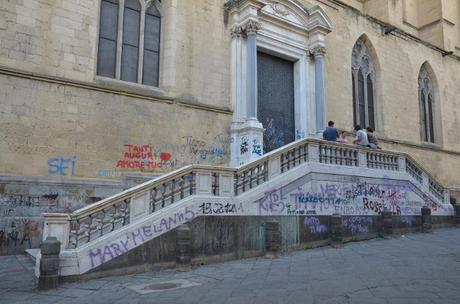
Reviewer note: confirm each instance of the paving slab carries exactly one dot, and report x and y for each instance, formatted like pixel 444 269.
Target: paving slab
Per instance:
pixel 417 268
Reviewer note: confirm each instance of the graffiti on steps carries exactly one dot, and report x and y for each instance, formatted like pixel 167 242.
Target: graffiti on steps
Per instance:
pixel 314 225
pixel 346 199
pixel 357 224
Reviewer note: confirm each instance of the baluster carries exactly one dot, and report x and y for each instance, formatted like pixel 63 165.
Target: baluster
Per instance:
pixel 305 153
pixel 173 190
pixel 181 186
pixel 265 171
pixel 153 195
pixel 163 192
pixel 323 153
pixel 191 182
pixel 299 155
pixel 126 211
pixel 288 155
pixel 282 162
pixel 236 183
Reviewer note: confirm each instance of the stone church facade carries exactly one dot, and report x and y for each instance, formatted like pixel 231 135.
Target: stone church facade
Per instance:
pixel 98 95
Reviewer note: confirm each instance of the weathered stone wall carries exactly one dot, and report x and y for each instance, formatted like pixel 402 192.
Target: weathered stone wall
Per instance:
pixel 67 132
pixel 60 39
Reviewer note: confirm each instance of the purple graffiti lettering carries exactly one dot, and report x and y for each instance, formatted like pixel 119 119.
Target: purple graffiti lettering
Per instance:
pixel 137 235
pixel 93 255
pixel 125 244
pixel 147 231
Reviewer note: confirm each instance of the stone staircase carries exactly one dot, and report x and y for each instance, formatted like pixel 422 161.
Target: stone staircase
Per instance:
pixel 305 178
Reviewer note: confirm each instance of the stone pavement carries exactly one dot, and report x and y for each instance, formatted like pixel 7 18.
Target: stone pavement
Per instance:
pixel 415 268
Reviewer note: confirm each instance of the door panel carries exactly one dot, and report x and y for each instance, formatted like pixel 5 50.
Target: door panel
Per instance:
pixel 275 108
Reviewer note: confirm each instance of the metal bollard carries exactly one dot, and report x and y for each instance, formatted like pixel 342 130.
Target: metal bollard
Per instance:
pixel 272 239
pixel 183 248
pixel 387 223
pixel 426 219
pixel 336 231
pixel 457 214
pixel 49 264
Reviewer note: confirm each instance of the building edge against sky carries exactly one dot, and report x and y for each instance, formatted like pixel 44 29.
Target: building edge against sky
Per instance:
pixel 71 136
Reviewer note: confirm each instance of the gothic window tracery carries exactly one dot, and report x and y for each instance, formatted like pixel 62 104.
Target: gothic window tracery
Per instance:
pixel 363 80
pixel 129 40
pixel 426 100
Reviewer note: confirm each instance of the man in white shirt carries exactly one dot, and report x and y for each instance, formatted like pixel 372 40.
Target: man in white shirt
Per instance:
pixel 361 137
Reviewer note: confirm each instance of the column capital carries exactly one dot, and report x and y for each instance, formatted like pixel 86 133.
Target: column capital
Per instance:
pixel 252 27
pixel 236 31
pixel 318 51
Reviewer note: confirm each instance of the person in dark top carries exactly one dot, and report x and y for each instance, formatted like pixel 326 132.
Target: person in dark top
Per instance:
pixel 331 132
pixel 373 141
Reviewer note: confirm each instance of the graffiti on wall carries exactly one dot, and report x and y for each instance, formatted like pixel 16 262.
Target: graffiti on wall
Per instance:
pixel 21 221
pixel 168 157
pixel 62 166
pixel 142 158
pixel 19 233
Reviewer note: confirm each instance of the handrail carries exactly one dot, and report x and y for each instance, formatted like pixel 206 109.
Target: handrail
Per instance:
pixel 107 215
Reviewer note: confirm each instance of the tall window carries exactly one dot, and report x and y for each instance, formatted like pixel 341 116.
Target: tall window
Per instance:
pixel 426 100
pixel 363 78
pixel 129 41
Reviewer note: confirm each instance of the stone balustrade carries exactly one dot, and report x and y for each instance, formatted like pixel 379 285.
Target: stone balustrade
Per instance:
pixel 108 215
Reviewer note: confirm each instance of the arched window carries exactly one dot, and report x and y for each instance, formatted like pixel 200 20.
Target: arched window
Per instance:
pixel 108 32
pixel 426 100
pixel 129 40
pixel 363 78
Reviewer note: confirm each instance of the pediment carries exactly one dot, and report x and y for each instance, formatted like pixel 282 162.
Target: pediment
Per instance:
pixel 290 12
pixel 293 13
pixel 281 12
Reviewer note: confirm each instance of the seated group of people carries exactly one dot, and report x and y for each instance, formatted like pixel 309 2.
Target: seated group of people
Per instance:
pixel 364 138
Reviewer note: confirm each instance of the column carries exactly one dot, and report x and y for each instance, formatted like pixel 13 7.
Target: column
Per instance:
pixel 237 96
pixel 318 53
pixel 251 31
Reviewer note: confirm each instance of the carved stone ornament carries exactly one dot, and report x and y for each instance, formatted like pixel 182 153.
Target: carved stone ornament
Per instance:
pixel 236 31
pixel 361 59
pixel 424 81
pixel 252 27
pixel 279 9
pixel 318 51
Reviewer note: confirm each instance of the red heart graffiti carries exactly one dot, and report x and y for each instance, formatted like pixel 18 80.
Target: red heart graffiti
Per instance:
pixel 165 156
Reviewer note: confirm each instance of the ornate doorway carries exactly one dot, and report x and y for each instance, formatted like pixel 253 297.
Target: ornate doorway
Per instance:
pixel 275 108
